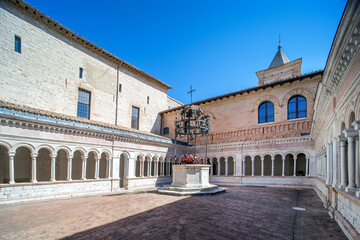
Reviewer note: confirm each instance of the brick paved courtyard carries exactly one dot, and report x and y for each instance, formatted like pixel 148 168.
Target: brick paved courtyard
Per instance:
pixel 240 213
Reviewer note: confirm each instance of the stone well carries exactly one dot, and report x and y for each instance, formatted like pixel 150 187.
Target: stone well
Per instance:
pixel 190 179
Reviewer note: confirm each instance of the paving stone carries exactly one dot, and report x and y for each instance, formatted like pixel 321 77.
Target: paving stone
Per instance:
pixel 239 213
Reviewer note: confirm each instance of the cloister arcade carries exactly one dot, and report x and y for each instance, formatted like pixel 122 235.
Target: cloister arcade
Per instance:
pixel 288 164
pixel 341 149
pixel 23 163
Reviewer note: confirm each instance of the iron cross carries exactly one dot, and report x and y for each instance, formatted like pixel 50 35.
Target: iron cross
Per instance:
pixel 191 91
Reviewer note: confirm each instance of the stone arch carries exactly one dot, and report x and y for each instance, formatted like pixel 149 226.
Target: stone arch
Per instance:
pixel 22 144
pixel 51 149
pixel 215 163
pixel 43 163
pixel 65 148
pixel 6 145
pixel 22 163
pixel 139 159
pixel 153 166
pixel 125 153
pixel 267 164
pixel 278 164
pixel 77 163
pixel 248 165
pixel 61 163
pixel 104 164
pixel 94 151
pixel 348 112
pixel 300 164
pixel 231 165
pixel 351 119
pixel 222 165
pixel 80 149
pixel 4 163
pixel 267 98
pixel 307 94
pixel 257 165
pixel 91 164
pixel 357 107
pixel 289 164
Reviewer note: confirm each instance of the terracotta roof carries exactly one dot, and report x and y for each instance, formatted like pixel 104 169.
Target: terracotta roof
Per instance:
pixel 248 90
pixel 41 17
pixel 26 109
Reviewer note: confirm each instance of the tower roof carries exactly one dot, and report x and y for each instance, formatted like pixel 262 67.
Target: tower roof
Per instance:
pixel 279 58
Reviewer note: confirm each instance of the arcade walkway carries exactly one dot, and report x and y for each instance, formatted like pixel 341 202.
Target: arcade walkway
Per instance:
pixel 240 213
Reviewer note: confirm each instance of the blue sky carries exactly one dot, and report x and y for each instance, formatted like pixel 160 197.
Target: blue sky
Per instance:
pixel 217 46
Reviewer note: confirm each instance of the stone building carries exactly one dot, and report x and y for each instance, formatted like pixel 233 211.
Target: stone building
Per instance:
pixel 76 119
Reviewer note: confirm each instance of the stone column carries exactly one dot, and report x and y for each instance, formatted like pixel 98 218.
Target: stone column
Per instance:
pixel 357 176
pixel 69 168
pixel 150 167
pixel 11 168
pixel 211 167
pixel 167 168
pixel 343 162
pixel 97 167
pixel 226 167
pixel 351 161
pixel 84 162
pixel 307 167
pixel 156 168
pixel 243 168
pixel 218 167
pixel 141 167
pixel 52 168
pixel 108 170
pixel 295 159
pixel 262 166
pixel 33 167
pixel 328 162
pixel 334 162
pixel 252 166
pixel 272 165
pixel 283 165
pixel 162 168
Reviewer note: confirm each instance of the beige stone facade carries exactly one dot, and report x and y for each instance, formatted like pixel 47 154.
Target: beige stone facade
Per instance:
pixel 48 151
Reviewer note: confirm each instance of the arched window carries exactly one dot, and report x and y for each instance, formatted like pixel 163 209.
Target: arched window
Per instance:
pixel 266 112
pixel 297 107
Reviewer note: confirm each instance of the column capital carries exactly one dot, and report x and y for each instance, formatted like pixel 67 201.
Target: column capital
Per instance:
pixel 12 154
pixel 350 133
pixel 356 125
pixel 34 155
pixel 54 155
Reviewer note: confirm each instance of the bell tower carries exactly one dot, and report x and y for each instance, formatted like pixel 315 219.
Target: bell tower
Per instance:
pixel 280 68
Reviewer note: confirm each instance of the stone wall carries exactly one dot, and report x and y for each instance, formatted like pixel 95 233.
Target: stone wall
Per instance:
pixel 236 117
pixel 47 70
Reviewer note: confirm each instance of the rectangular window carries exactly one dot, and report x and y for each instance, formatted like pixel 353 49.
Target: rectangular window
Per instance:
pixel 119 87
pixel 148 100
pixel 17 44
pixel 83 108
pixel 135 118
pixel 81 72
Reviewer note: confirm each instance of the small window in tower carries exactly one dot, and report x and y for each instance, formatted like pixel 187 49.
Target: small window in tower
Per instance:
pixel 119 87
pixel 148 100
pixel 166 130
pixel 81 70
pixel 17 44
